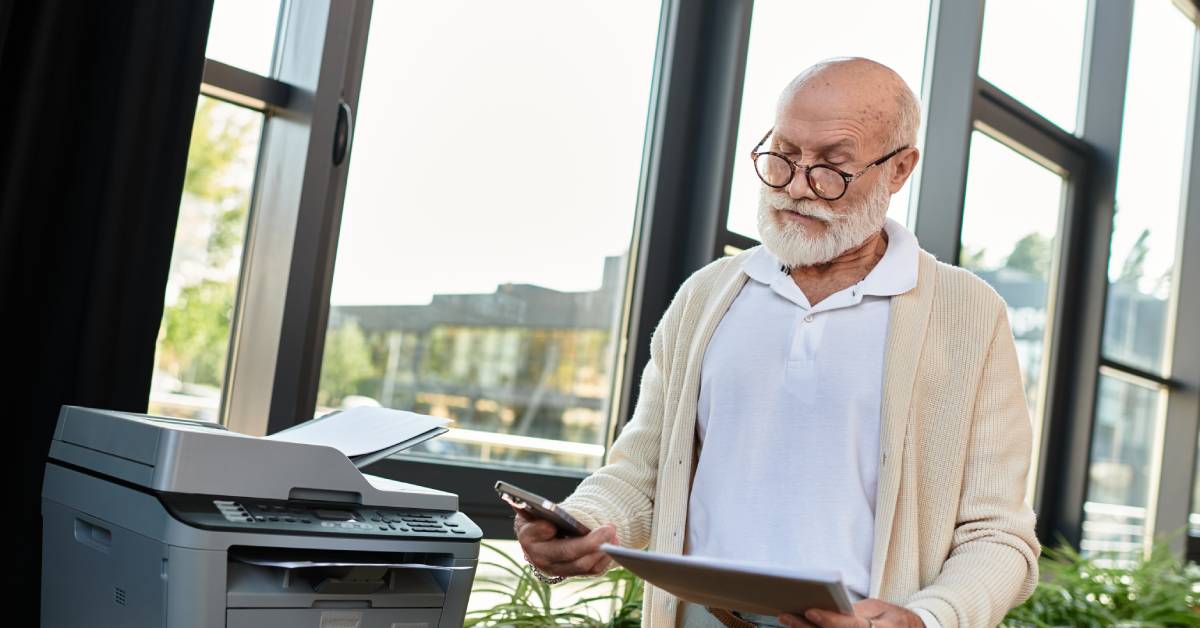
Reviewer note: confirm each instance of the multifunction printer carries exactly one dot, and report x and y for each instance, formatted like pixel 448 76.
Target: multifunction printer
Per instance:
pixel 150 521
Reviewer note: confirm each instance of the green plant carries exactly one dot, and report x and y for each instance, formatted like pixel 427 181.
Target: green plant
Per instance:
pixel 1155 591
pixel 528 601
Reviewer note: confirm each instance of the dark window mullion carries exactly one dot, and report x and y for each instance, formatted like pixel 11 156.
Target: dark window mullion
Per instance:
pixel 1147 376
pixel 245 88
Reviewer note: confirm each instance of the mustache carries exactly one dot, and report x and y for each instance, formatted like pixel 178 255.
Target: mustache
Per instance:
pixel 783 202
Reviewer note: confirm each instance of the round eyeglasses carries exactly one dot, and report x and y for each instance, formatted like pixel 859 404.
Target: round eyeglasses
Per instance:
pixel 826 181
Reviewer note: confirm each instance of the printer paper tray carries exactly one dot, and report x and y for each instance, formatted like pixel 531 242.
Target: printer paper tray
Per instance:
pixel 263 585
pixel 323 618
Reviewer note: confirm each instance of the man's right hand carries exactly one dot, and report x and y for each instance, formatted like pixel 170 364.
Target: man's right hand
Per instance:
pixel 570 556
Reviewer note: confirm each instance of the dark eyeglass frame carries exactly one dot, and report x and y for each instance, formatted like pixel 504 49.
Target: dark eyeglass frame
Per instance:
pixel 795 165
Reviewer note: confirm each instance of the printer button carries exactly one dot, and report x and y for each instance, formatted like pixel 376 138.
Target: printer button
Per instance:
pixel 290 519
pixel 459 531
pixel 272 518
pixel 452 525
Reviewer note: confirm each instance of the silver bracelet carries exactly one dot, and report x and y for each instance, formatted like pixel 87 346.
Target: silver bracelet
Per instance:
pixel 541 576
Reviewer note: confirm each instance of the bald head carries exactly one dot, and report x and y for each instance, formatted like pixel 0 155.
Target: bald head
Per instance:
pixel 862 92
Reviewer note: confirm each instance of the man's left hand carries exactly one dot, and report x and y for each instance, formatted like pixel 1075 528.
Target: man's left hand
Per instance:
pixel 870 612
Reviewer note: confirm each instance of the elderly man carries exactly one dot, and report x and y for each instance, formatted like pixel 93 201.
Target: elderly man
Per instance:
pixel 834 398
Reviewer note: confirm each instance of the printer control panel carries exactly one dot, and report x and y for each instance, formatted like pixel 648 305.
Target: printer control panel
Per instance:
pixel 311 518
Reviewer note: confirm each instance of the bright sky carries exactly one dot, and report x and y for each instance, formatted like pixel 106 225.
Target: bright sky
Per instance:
pixel 1150 178
pixel 242 33
pixel 487 155
pixel 991 221
pixel 1052 45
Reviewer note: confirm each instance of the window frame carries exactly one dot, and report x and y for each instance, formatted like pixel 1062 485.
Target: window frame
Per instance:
pixel 287 267
pixel 1182 419
pixel 1027 132
pixel 1174 452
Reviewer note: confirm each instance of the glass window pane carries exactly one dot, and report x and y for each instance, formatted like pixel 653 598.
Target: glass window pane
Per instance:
pixel 488 215
pixel 189 360
pixel 1123 445
pixel 1013 246
pixel 1149 184
pixel 891 32
pixel 242 33
pixel 1194 517
pixel 1020 35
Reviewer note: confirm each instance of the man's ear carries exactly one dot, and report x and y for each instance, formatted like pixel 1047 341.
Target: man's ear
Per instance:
pixel 902 168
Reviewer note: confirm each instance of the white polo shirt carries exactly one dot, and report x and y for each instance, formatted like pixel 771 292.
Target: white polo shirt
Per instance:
pixel 788 419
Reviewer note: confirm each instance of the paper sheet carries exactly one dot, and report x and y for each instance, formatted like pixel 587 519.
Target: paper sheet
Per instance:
pixel 361 430
pixel 303 559
pixel 306 564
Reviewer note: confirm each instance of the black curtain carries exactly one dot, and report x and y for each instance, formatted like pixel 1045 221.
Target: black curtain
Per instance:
pixel 96 105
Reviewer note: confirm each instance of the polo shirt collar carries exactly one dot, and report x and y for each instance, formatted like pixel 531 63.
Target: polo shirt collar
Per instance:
pixel 896 272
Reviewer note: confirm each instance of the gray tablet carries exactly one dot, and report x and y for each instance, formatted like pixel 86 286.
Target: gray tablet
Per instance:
pixel 737 586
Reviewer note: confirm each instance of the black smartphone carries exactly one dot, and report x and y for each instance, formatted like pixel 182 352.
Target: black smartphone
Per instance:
pixel 539 507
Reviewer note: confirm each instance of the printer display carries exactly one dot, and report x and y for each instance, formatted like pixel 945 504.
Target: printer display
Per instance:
pixel 149 521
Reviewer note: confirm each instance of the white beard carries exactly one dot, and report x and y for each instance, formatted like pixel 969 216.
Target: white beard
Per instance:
pixel 789 240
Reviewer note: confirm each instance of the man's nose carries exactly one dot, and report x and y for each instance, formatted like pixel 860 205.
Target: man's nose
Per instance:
pixel 798 187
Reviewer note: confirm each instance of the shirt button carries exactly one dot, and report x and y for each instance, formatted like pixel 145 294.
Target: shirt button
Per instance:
pixel 808 319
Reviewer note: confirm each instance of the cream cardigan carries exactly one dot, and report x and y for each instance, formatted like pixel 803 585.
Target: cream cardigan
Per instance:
pixel 953 534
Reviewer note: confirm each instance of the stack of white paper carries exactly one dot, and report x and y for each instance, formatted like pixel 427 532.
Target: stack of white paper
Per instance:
pixel 366 434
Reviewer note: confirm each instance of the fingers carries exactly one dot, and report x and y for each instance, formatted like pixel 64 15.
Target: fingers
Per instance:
pixel 572 548
pixel 530 530
pixel 575 556
pixel 872 607
pixel 794 621
pixel 830 619
pixel 814 618
pixel 590 564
